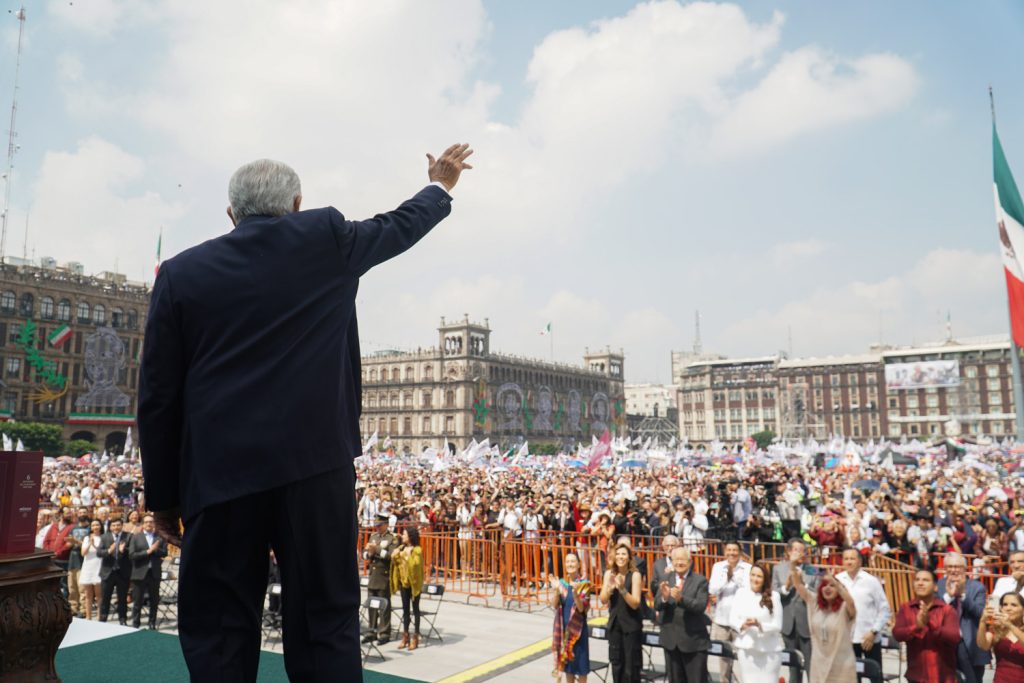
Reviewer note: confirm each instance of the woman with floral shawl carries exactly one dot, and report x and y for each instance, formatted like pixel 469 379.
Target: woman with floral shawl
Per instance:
pixel 569 644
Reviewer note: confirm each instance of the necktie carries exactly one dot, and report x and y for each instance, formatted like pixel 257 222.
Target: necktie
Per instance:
pixel 1020 585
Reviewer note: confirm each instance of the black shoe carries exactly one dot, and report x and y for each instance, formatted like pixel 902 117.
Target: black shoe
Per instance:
pixel 123 623
pixel 384 641
pixel 369 638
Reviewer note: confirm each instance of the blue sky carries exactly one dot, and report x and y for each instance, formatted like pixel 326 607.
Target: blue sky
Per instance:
pixel 822 168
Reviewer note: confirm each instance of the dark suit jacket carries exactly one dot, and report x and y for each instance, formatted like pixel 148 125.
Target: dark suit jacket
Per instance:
pixel 142 560
pixel 684 624
pixel 250 368
pixel 111 559
pixel 794 609
pixel 971 607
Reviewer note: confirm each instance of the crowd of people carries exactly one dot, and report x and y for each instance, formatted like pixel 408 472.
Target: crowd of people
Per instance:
pixel 950 520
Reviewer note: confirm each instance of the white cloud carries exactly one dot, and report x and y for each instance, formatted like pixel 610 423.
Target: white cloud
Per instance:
pixel 85 208
pixel 788 253
pixel 809 89
pixel 906 307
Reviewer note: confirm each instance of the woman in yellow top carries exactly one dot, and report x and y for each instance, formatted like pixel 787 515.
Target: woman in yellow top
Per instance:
pixel 407 578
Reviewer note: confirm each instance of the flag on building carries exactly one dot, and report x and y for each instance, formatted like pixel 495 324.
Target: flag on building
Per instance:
pixel 546 330
pixel 128 442
pixel 1010 220
pixel 159 243
pixel 59 336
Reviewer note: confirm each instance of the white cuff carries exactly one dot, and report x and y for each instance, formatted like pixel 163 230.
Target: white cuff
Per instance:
pixel 438 183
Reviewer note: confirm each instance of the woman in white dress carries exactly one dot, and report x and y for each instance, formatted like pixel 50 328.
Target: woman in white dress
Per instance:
pixel 756 616
pixel 89 577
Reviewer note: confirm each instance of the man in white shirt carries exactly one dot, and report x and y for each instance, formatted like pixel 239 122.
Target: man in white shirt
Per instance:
pixel 1015 581
pixel 727 577
pixel 508 518
pixel 873 609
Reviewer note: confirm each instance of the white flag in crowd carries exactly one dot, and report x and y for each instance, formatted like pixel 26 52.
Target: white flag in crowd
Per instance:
pixel 371 442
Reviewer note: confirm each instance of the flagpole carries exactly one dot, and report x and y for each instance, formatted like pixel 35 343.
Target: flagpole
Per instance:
pixel 1018 388
pixel 551 341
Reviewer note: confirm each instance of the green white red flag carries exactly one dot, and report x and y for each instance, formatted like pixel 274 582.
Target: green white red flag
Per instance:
pixel 1010 221
pixel 59 336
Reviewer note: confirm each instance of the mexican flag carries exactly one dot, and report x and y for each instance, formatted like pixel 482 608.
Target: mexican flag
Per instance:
pixel 1010 220
pixel 59 335
pixel 546 330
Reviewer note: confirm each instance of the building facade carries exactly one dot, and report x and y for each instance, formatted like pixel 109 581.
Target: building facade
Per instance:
pixel 651 400
pixel 890 392
pixel 462 390
pixel 69 349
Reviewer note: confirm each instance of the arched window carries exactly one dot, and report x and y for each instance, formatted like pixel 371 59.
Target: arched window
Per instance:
pixel 83 312
pixel 394 400
pixel 373 374
pixel 46 308
pixel 28 305
pixel 383 374
pixel 64 311
pixel 116 317
pixel 428 372
pixel 372 401
pixel 407 426
pixel 407 400
pixel 99 314
pixel 410 373
pixel 449 398
pixel 133 319
pixel 7 300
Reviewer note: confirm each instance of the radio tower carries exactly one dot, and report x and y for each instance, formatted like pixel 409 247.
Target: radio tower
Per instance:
pixel 12 148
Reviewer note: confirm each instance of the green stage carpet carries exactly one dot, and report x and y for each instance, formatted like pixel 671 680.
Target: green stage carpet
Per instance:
pixel 153 657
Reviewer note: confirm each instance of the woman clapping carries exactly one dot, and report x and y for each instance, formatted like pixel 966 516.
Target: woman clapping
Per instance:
pixel 756 615
pixel 569 643
pixel 1002 632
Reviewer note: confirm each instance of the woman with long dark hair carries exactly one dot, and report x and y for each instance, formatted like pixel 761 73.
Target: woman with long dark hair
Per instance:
pixel 570 598
pixel 756 616
pixel 1002 632
pixel 407 579
pixel 620 591
pixel 830 617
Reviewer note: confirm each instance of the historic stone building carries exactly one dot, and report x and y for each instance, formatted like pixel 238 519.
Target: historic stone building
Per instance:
pixel 69 349
pixel 890 392
pixel 462 390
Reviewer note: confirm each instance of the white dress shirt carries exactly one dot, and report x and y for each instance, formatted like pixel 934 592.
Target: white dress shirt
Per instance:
pixel 1005 584
pixel 724 588
pixel 746 604
pixel 868 595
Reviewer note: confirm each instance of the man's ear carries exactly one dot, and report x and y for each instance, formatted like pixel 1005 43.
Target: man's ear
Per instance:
pixel 297 202
pixel 232 217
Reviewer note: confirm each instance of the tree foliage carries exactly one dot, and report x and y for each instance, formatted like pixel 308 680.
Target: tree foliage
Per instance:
pixel 36 436
pixel 763 439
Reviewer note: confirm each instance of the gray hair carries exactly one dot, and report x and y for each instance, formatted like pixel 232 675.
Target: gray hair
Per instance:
pixel 263 188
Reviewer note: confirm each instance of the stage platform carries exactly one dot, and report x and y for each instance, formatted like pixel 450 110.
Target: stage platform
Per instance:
pixel 100 653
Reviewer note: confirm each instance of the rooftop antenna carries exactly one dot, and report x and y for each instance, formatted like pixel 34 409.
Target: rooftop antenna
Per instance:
pixel 697 348
pixel 11 146
pixel 24 246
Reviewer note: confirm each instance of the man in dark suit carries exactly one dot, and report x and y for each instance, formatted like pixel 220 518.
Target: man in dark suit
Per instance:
pixel 681 603
pixel 966 596
pixel 662 567
pixel 249 405
pixel 115 571
pixel 796 634
pixel 147 551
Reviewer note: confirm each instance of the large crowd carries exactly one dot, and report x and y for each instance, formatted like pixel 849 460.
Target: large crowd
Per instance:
pixel 949 518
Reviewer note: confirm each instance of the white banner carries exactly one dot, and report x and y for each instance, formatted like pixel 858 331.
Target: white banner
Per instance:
pixel 923 374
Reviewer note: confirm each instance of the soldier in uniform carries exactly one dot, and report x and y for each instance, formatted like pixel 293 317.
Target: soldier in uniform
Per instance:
pixel 378 552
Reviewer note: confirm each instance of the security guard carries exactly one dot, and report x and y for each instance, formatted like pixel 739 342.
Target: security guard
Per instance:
pixel 378 552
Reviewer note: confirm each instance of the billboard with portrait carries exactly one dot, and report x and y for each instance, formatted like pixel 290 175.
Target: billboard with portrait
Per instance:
pixel 922 374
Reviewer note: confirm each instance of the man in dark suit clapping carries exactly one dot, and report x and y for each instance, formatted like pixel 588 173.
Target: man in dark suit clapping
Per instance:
pixel 681 603
pixel 147 551
pixel 115 570
pixel 249 409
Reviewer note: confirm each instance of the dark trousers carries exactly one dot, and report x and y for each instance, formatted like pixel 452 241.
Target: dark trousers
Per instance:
pixel 407 601
pixel 148 588
pixel 795 641
pixel 686 667
pixel 119 582
pixel 380 619
pixel 874 654
pixel 311 526
pixel 624 655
